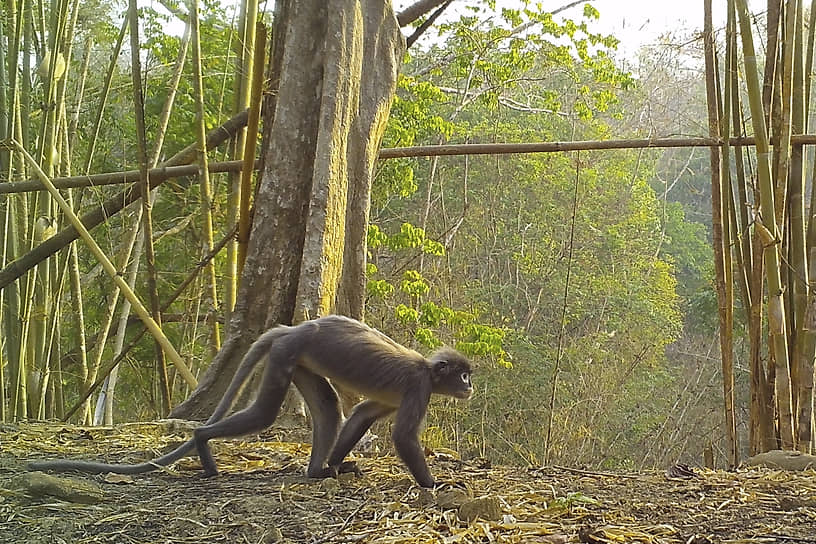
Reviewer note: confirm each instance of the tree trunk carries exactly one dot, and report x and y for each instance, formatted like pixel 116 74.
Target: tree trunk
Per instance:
pixel 322 132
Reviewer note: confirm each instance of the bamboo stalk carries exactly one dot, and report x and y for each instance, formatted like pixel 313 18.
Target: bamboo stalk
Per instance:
pixel 205 193
pixel 147 216
pixel 798 287
pixel 766 221
pixel 247 68
pixel 103 99
pixel 251 143
pixel 719 176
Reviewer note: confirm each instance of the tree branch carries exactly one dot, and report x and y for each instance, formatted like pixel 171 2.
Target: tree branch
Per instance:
pixel 417 10
pixel 425 25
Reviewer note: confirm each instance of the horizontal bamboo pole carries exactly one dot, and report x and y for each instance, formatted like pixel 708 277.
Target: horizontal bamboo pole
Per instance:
pixel 120 282
pixel 586 145
pixel 168 172
pixel 117 178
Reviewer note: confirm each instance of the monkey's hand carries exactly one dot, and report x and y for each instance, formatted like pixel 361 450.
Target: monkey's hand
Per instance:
pixel 333 471
pixel 348 466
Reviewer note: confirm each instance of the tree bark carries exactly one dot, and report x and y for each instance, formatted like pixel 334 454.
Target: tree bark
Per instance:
pixel 323 129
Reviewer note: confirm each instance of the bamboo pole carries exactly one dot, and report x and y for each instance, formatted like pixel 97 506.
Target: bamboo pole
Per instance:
pixel 163 173
pixel 580 145
pixel 141 311
pixel 156 175
pixel 205 192
pixel 770 231
pixel 251 144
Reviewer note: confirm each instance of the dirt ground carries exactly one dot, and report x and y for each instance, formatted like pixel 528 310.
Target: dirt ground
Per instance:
pixel 261 496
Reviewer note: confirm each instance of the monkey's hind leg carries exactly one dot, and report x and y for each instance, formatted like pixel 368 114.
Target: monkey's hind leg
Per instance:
pixel 324 409
pixel 254 418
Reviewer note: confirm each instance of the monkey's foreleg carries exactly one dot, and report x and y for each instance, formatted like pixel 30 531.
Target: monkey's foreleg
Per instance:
pixel 362 418
pixel 324 409
pixel 407 423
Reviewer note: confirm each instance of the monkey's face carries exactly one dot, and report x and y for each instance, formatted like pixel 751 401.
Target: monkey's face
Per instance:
pixel 466 387
pixel 451 374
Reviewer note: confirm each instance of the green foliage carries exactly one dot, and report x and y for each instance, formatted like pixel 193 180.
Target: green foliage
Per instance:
pixel 413 284
pixel 504 226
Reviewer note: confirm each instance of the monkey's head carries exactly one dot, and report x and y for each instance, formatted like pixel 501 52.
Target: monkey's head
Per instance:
pixel 450 371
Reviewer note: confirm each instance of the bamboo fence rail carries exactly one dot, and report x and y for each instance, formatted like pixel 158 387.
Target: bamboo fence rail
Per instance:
pixel 170 172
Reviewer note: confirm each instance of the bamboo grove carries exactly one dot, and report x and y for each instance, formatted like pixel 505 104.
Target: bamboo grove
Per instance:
pixel 764 232
pixel 47 97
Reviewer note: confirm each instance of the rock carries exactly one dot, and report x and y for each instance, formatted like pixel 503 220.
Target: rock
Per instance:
pixel 451 499
pixel 486 508
pixel 329 485
pixel 273 534
pixel 39 484
pixel 786 460
pixel 424 498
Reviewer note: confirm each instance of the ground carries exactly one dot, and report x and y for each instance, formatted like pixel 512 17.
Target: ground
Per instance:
pixel 261 496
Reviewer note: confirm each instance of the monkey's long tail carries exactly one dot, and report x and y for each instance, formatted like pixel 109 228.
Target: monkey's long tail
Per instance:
pixel 255 354
pixel 93 467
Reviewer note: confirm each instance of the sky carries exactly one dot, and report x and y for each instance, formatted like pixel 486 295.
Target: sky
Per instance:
pixel 641 22
pixel 634 22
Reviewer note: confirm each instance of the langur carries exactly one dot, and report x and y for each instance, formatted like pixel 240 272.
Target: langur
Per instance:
pixel 393 378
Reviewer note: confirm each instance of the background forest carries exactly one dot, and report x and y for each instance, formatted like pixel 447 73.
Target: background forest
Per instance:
pixel 579 282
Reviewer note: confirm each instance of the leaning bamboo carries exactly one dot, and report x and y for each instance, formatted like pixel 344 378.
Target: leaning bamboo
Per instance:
pixel 141 311
pixel 138 334
pixel 111 207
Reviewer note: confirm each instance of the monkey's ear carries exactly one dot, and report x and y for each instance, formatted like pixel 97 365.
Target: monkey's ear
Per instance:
pixel 441 368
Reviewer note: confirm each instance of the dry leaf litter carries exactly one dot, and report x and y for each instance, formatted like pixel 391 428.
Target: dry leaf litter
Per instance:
pixel 261 496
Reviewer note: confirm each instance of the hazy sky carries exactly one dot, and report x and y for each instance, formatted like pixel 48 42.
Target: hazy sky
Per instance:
pixel 634 22
pixel 639 22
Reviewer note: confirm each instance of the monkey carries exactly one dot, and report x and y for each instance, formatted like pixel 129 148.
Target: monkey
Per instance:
pixel 313 355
